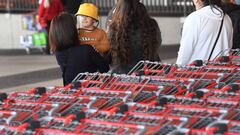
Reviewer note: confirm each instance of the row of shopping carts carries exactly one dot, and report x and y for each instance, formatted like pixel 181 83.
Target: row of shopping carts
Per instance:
pixel 154 98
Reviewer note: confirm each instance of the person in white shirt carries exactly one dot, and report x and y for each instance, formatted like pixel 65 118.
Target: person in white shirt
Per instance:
pixel 200 31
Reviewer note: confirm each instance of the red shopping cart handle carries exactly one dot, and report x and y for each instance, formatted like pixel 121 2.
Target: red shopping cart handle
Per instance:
pixel 76 85
pixel 161 101
pixel 3 96
pixel 73 85
pixel 197 63
pixel 40 90
pixel 79 116
pixel 32 125
pixel 122 108
pixel 231 88
pixel 218 128
pixel 223 59
pixel 198 94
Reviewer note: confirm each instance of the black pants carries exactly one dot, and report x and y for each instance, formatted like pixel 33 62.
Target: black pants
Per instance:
pixel 47 50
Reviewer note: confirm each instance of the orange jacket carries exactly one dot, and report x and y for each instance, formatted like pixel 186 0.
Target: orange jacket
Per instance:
pixel 97 38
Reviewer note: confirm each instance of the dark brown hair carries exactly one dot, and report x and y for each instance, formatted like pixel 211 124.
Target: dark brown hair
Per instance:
pixel 214 4
pixel 129 15
pixel 63 32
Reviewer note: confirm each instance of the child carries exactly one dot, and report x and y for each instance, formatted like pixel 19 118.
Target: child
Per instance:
pixel 72 57
pixel 87 16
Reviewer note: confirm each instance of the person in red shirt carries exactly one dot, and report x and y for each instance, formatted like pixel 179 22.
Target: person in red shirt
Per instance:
pixel 47 10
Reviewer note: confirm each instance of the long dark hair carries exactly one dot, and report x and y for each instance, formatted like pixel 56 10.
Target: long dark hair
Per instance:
pixel 152 39
pixel 63 32
pixel 214 4
pixel 128 15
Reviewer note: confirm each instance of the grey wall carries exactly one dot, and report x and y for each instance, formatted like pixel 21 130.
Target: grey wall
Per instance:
pixel 11 29
pixel 171 30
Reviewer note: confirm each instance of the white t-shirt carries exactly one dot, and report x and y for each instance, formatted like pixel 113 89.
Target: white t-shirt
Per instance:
pixel 199 34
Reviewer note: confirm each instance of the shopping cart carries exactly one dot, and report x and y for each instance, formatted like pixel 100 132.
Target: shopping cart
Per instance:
pixel 148 68
pixel 25 112
pixel 233 115
pixel 110 128
pixel 152 123
pixel 178 110
pixel 230 57
pixel 23 129
pixel 170 101
pixel 233 128
pixel 162 123
pixel 26 96
pixel 110 81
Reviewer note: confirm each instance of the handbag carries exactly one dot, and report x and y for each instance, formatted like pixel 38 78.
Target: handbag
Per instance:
pixel 219 32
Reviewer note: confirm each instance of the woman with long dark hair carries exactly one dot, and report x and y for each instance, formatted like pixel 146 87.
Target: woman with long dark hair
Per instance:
pixel 206 32
pixel 133 35
pixel 72 57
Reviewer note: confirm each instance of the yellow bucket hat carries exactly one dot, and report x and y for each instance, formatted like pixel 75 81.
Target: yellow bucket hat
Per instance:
pixel 88 9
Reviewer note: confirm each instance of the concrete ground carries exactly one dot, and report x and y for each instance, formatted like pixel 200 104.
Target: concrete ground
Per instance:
pixel 21 72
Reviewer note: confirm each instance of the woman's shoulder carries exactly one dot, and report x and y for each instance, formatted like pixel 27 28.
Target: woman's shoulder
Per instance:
pixel 152 21
pixel 193 18
pixel 193 15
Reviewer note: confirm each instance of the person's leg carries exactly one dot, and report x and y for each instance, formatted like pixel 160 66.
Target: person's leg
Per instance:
pixel 47 50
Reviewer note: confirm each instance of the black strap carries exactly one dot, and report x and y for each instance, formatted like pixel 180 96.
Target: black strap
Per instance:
pixel 216 39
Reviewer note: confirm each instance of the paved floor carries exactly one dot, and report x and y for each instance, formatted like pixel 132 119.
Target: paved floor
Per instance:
pixel 21 72
pixel 12 65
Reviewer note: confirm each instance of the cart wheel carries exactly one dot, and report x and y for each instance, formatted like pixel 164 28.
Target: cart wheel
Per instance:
pixel 3 96
pixel 33 125
pixel 198 63
pixel 122 109
pixel 40 90
pixel 198 94
pixel 233 88
pixel 76 85
pixel 224 59
pixel 162 101
pixel 79 116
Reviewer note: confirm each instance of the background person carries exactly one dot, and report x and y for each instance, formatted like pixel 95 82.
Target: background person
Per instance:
pixel 48 9
pixel 232 8
pixel 72 57
pixel 200 32
pixel 133 36
pixel 71 6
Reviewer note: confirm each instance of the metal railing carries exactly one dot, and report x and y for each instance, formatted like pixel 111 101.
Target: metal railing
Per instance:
pixel 154 7
pixel 18 6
